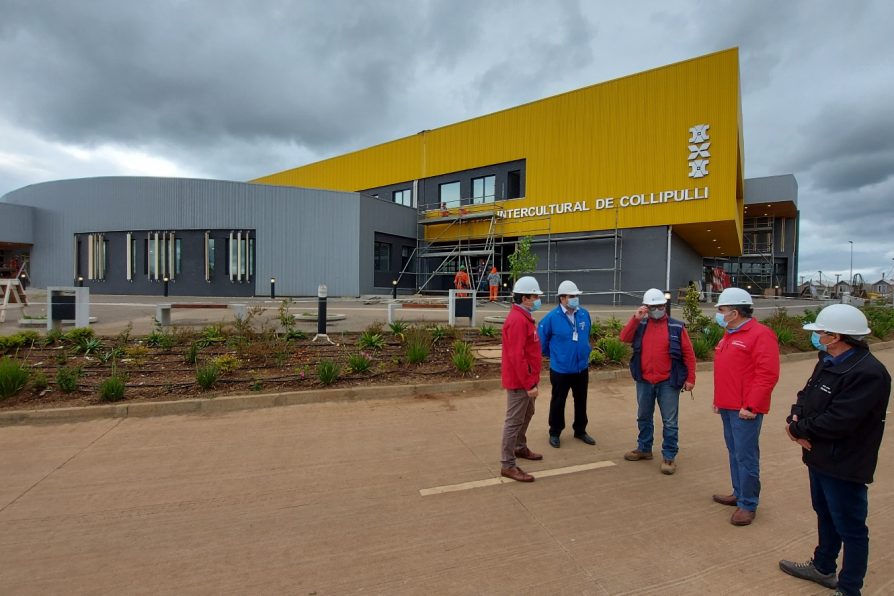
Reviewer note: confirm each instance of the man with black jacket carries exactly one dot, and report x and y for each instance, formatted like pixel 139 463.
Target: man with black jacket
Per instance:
pixel 838 421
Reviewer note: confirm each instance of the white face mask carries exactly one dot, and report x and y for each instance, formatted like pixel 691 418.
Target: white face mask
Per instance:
pixel 656 313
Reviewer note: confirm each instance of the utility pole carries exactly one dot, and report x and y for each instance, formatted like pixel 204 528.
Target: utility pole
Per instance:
pixel 851 281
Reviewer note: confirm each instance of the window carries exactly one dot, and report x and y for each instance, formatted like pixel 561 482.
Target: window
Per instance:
pixel 176 256
pixel 382 257
pixel 132 257
pixel 403 197
pixel 448 194
pixel 483 189
pixel 513 182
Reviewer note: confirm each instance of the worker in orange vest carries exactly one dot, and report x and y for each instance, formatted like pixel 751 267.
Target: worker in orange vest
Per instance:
pixel 461 281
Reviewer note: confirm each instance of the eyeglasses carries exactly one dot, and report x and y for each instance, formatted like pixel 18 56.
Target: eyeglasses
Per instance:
pixel 657 307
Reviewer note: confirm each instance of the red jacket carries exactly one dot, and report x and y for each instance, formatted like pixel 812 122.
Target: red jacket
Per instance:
pixel 746 368
pixel 655 359
pixel 521 350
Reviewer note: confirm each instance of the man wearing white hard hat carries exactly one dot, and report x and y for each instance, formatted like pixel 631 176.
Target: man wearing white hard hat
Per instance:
pixel 838 421
pixel 565 338
pixel 521 375
pixel 746 369
pixel 662 365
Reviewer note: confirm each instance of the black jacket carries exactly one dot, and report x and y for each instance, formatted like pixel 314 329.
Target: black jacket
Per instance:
pixel 841 411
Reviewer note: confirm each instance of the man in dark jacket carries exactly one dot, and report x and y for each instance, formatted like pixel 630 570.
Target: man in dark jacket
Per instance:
pixel 838 421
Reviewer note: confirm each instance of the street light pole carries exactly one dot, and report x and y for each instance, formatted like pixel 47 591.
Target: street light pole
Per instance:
pixel 851 280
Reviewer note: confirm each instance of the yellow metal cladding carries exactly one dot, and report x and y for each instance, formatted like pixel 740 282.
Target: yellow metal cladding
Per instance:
pixel 618 152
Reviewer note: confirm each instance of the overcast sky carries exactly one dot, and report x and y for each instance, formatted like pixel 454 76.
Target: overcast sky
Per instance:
pixel 235 89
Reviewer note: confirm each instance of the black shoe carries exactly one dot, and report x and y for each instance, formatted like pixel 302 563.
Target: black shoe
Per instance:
pixel 809 572
pixel 585 438
pixel 554 441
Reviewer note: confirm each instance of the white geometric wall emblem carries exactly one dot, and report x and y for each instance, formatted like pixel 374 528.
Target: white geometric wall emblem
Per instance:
pixel 699 133
pixel 698 150
pixel 698 168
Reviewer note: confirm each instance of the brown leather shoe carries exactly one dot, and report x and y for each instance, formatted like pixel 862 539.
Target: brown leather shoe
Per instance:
pixel 725 500
pixel 516 473
pixel 742 517
pixel 526 453
pixel 637 455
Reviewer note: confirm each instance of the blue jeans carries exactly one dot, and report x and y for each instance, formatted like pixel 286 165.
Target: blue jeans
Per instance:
pixel 743 443
pixel 668 400
pixel 841 508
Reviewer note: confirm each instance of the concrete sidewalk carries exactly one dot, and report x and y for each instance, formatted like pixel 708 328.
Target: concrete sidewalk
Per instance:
pixel 325 499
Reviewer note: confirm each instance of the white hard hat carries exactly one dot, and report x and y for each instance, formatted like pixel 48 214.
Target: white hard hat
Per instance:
pixel 654 297
pixel 568 287
pixel 840 318
pixel 526 285
pixel 734 297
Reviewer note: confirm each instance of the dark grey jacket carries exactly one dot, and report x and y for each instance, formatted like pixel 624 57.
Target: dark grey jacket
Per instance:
pixel 841 411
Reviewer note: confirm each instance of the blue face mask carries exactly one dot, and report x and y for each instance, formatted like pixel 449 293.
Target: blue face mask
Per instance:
pixel 573 303
pixel 536 305
pixel 718 318
pixel 815 340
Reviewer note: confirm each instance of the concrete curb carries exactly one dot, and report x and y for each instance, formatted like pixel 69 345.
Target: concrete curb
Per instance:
pixel 234 403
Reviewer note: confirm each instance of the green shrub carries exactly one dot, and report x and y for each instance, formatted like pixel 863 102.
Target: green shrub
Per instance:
pixel 784 335
pixel 111 355
pixel 89 345
pixel 39 380
pixel 359 363
pixel 328 372
pixel 597 357
pixel 463 359
pixel 67 378
pixel 76 335
pixel 441 332
pixel 295 334
pixel 191 356
pixel 398 327
pixel 880 319
pixel 53 336
pixel 13 377
pixel 226 363
pixel 809 315
pixel 112 389
pixel 713 333
pixel 881 329
pixel 160 339
pixel 614 349
pixel 488 331
pixel 608 328
pixel 418 345
pixel 702 347
pixel 371 341
pixel 207 376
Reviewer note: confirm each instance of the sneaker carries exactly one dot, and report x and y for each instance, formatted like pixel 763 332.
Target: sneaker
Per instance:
pixel 809 572
pixel 637 455
pixel 668 467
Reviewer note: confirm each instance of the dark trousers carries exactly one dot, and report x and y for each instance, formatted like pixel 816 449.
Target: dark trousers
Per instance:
pixel 561 383
pixel 841 508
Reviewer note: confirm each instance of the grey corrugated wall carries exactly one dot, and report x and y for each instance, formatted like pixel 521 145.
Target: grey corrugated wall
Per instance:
pixel 304 236
pixel 16 224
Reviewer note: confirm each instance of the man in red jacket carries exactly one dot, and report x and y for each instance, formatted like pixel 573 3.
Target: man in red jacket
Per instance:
pixel 746 368
pixel 521 376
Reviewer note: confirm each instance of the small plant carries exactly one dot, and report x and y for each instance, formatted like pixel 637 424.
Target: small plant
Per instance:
pixel 702 347
pixel 398 327
pixel 207 376
pixel 123 338
pixel 53 336
pixel 111 355
pixel 191 356
pixel 371 341
pixel 614 349
pixel 89 345
pixel 256 385
pixel 112 389
pixel 68 378
pixel 442 332
pixel 295 334
pixel 809 315
pixel 328 372
pixel 713 333
pixel 463 359
pixel 359 363
pixel 136 353
pixel 78 334
pixel 418 346
pixel 39 381
pixel 784 335
pixel 226 363
pixel 212 334
pixel 13 377
pixel 488 331
pixel 597 357
pixel 162 340
pixel 286 319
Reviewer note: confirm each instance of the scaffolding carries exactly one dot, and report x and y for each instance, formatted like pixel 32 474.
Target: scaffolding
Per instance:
pixel 462 241
pixel 757 253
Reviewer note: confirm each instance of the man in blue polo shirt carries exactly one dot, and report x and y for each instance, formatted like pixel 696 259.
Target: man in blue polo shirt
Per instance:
pixel 565 337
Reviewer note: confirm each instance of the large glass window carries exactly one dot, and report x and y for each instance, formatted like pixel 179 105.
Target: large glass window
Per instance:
pixel 483 189
pixel 403 197
pixel 211 256
pixel 448 194
pixel 382 257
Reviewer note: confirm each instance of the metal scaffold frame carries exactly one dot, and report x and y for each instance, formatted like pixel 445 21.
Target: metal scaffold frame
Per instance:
pixel 764 251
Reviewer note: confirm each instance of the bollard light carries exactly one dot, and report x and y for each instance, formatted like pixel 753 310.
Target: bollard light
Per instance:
pixel 80 281
pixel 667 303
pixel 394 289
pixel 273 288
pixel 166 280
pixel 322 293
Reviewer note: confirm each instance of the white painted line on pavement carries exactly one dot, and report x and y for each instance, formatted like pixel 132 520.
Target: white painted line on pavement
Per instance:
pixel 450 488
